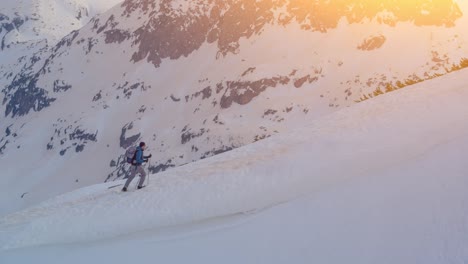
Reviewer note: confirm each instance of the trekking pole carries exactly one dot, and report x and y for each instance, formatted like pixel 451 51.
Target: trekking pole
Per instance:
pixel 149 166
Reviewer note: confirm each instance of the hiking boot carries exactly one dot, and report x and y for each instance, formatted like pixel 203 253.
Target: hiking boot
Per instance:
pixel 124 189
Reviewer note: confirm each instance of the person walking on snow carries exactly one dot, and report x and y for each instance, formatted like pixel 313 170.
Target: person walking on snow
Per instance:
pixel 137 167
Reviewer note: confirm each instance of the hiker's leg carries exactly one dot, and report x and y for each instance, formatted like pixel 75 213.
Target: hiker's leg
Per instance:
pixel 133 171
pixel 142 172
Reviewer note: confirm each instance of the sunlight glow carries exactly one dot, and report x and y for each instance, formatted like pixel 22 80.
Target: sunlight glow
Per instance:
pixel 326 14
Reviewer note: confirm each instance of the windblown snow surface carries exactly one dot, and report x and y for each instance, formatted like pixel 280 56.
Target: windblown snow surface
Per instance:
pixel 384 181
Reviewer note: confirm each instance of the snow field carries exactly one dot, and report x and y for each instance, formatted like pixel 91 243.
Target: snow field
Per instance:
pixel 367 139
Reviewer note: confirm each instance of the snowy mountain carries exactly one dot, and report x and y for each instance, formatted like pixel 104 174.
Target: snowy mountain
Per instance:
pixel 383 181
pixel 37 20
pixel 198 78
pixel 29 27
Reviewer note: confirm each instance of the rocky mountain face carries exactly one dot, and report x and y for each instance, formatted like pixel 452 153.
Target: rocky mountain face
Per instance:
pixel 28 27
pixel 198 78
pixel 36 20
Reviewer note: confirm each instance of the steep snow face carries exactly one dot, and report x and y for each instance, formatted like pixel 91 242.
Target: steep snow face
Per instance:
pixel 29 27
pixel 199 78
pixel 36 20
pixel 383 180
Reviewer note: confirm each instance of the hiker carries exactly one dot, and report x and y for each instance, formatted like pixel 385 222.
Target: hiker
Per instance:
pixel 137 162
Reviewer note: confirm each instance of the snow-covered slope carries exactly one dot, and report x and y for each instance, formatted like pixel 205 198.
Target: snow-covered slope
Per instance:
pixel 381 182
pixel 198 78
pixel 28 28
pixel 28 20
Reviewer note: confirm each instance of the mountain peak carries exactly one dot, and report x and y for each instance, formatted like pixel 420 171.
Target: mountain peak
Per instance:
pixel 167 24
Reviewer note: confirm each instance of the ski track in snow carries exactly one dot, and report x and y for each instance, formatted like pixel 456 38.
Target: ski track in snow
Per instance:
pixel 343 147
